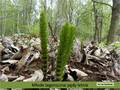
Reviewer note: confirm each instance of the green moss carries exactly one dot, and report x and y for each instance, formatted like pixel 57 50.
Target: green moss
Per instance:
pixel 67 36
pixel 44 40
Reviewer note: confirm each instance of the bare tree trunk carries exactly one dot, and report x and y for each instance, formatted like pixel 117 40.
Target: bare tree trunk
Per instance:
pixel 115 21
pixel 98 23
pixel 2 23
pixel 95 19
pixel 4 20
pixel 100 20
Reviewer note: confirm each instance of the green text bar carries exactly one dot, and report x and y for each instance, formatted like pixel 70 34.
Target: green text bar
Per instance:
pixel 59 84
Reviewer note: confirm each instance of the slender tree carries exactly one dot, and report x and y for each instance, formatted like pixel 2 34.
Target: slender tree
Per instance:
pixel 98 20
pixel 115 22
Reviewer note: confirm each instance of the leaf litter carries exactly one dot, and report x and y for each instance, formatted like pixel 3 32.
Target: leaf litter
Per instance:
pixel 20 60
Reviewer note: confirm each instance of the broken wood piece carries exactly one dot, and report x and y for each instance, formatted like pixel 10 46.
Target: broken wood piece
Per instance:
pixel 8 43
pixel 93 57
pixel 17 56
pixel 11 78
pixel 23 60
pixel 37 76
pixel 5 69
pixel 19 78
pixel 8 62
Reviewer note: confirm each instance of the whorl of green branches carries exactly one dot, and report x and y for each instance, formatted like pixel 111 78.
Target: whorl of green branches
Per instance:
pixel 44 40
pixel 67 36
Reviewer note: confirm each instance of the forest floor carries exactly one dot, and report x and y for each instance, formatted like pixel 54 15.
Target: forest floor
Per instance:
pixel 20 60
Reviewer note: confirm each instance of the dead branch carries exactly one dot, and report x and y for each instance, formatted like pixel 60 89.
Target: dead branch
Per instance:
pixel 102 3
